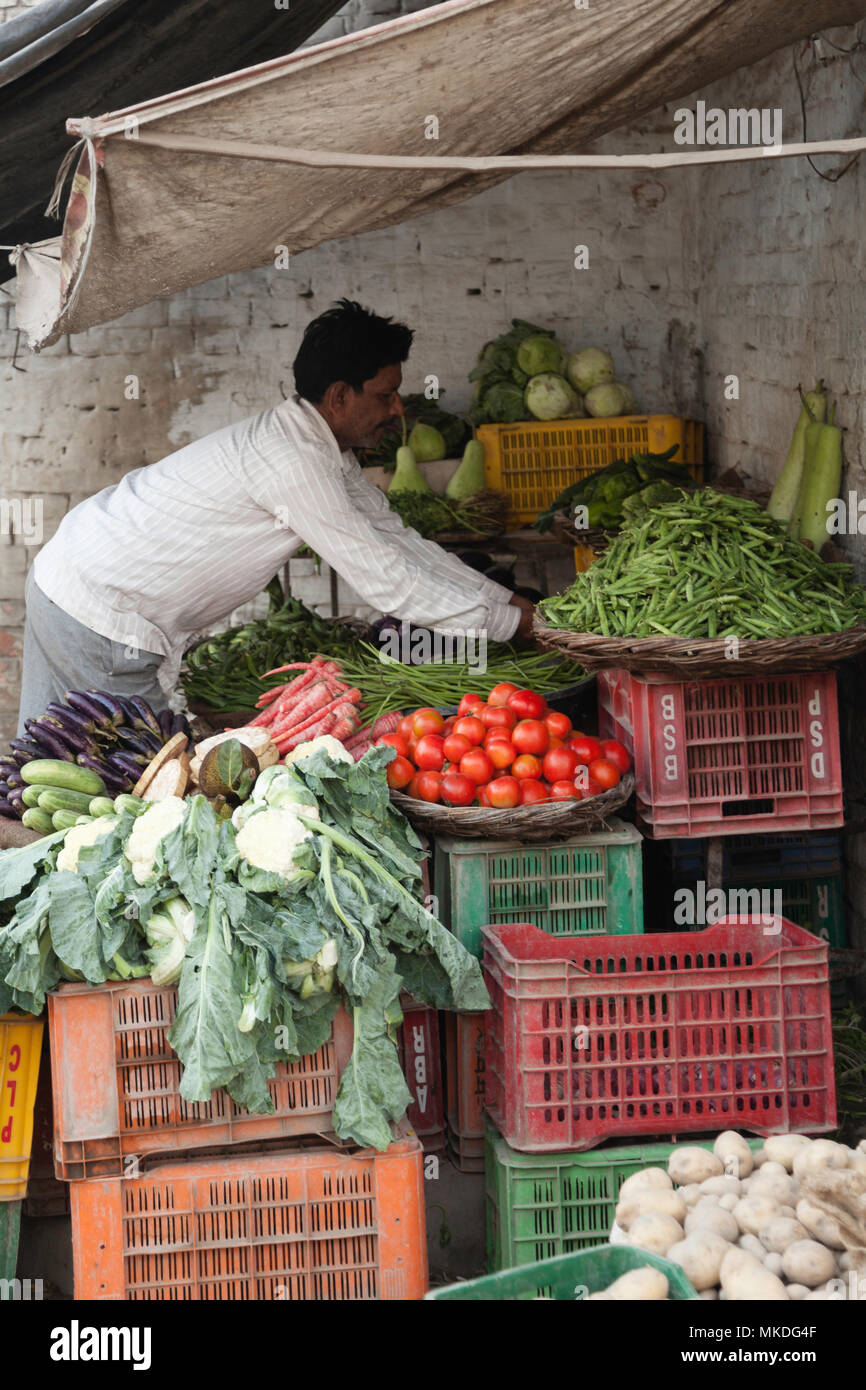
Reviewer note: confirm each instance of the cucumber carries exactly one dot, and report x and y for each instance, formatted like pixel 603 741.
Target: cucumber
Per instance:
pixel 101 806
pixel 128 804
pixel 59 799
pixel 51 772
pixel 64 820
pixel 35 819
pixel 30 796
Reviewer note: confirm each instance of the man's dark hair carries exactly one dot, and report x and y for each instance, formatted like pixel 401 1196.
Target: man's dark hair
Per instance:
pixel 347 343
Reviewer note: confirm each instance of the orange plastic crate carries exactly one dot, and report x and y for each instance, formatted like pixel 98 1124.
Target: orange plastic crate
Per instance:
pixel 20 1051
pixel 533 462
pixel 464 1089
pixel 116 1083
pixel 288 1225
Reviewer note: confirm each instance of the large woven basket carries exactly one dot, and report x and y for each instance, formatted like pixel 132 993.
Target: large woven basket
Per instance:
pixel 681 658
pixel 547 820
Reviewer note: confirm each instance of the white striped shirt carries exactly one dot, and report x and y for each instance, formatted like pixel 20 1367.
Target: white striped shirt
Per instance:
pixel 175 546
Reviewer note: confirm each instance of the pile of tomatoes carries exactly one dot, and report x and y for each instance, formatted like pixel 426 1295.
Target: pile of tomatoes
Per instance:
pixel 510 751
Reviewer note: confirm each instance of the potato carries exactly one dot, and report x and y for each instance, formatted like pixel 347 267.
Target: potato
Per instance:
pixel 845 1261
pixel 745 1280
pixel 797 1291
pixel 729 1201
pixel 771 1166
pixel 822 1227
pixel 714 1219
pixel 788 1211
pixel 656 1232
pixel 751 1243
pixel 828 1294
pixel 780 1186
pixel 781 1232
pixel 650 1199
pixel 690 1194
pixel 858 1162
pixel 759 1157
pixel 700 1255
pixel 820 1155
pixel 639 1285
pixel 782 1148
pixel 807 1262
pixel 753 1212
pixel 644 1177
pixel 720 1187
pixel 773 1262
pixel 690 1164
pixel 709 1293
pixel 735 1154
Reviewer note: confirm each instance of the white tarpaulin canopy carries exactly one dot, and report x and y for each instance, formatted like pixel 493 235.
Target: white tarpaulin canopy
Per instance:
pixel 213 179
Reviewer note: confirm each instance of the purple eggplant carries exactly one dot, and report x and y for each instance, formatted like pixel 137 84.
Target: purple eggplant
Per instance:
pixel 9 765
pixel 115 781
pixel 98 714
pixel 144 715
pixel 135 741
pixel 128 763
pixel 112 704
pixel 75 721
pixel 164 719
pixel 7 808
pixel 30 746
pixel 15 781
pixel 74 740
pixel 56 747
pixel 179 725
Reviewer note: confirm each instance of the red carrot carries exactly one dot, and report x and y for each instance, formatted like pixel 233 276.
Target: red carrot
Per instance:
pixel 342 728
pixel 315 697
pixel 315 729
pixel 290 666
pixel 360 749
pixel 313 717
pixel 360 736
pixel 385 724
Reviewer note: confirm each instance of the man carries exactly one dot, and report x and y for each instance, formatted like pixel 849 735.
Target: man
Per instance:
pixel 136 571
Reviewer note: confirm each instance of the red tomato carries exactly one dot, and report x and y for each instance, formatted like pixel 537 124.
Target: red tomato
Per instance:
pixel 530 736
pixel 412 788
pixel 532 791
pixel 471 728
pixel 477 765
pixel 503 792
pixel 426 721
pixel 394 741
pixel 497 717
pixel 615 753
pixel 526 766
pixel 587 785
pixel 399 773
pixel 564 791
pixel 559 763
pixel 482 796
pixel 429 786
pixel 558 725
pixel 404 728
pixel 468 704
pixel 449 725
pixel 411 746
pixel 526 704
pixel 501 752
pixel 586 748
pixel 556 742
pixel 501 693
pixel 458 790
pixel 604 772
pixel 429 753
pixel 455 746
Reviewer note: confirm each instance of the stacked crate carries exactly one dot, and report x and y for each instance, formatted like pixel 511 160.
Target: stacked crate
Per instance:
pixel 275 1207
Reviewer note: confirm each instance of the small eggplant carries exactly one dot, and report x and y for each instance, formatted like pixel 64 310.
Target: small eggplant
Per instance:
pixel 7 808
pixel 75 741
pixel 165 719
pixel 145 717
pixel 91 708
pixel 179 725
pixel 115 780
pixel 135 741
pixel 74 720
pixel 112 705
pixel 26 745
pixel 15 781
pixel 55 746
pixel 128 763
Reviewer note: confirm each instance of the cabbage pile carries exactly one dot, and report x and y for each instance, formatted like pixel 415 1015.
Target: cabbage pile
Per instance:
pixel 526 374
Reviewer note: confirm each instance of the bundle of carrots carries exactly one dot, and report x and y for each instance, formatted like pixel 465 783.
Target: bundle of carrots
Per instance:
pixel 314 703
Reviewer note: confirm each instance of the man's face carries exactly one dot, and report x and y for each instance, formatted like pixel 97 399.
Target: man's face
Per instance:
pixel 360 419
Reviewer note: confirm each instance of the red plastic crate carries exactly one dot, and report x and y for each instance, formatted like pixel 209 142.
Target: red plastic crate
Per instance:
pixel 594 1038
pixel 420 1055
pixel 464 1089
pixel 115 1082
pixel 288 1225
pixel 719 757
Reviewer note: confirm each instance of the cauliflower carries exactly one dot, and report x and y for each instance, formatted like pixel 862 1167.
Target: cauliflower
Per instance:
pixel 153 825
pixel 332 746
pixel 167 931
pixel 79 836
pixel 269 838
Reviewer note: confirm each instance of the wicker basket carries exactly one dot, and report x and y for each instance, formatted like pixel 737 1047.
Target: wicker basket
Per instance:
pixel 681 658
pixel 545 821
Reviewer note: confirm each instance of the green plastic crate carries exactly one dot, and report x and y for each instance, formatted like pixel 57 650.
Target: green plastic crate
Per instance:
pixel 589 885
pixel 10 1225
pixel 567 1278
pixel 815 904
pixel 541 1205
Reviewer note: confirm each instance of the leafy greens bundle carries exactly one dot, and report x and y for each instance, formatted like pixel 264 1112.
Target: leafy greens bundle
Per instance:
pixel 256 981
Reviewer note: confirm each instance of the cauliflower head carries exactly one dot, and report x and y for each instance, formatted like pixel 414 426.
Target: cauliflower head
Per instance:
pixel 149 829
pixel 269 838
pixel 79 836
pixel 332 746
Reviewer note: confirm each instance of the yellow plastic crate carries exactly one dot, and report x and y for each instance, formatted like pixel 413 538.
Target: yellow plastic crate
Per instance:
pixel 533 462
pixel 20 1051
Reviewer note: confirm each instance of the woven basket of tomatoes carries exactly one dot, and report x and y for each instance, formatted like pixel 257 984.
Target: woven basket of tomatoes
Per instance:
pixel 507 768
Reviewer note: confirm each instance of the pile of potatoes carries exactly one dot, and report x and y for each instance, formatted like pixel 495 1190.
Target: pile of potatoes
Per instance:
pixel 736 1222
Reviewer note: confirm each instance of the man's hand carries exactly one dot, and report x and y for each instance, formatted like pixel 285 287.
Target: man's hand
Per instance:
pixel 527 609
